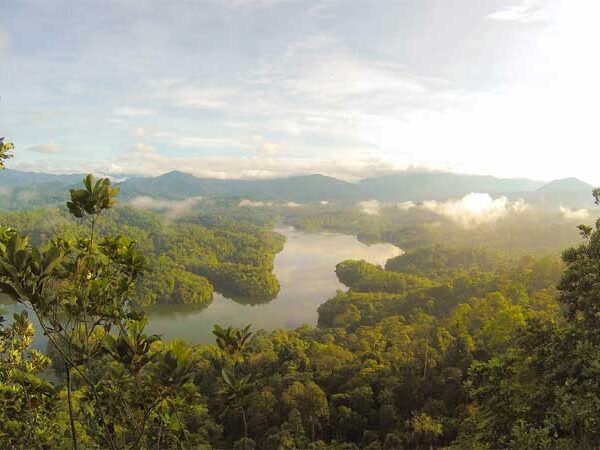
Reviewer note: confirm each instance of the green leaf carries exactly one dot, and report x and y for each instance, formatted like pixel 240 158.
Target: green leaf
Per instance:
pixel 87 182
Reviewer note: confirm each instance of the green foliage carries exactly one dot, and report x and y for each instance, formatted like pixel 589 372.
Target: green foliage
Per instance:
pixel 232 341
pixel 364 277
pixel 242 282
pixel 5 148
pixel 310 401
pixel 580 286
pixel 439 260
pixel 97 196
pixel 28 416
pixel 543 391
pixel 122 386
pixel 184 259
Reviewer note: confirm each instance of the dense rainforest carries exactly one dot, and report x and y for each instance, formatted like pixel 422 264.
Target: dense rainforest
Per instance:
pixel 186 259
pixel 448 346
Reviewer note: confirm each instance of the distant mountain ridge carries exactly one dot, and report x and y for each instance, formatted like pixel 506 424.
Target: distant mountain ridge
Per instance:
pixel 305 188
pixel 570 192
pixel 419 186
pixel 15 178
pixel 402 186
pixel 566 185
pixel 415 186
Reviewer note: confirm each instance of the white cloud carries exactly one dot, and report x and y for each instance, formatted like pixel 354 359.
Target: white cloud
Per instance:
pixel 263 204
pixel 46 148
pixel 370 207
pixel 405 206
pixel 264 148
pixel 257 143
pixel 173 208
pixel 314 85
pixel 574 214
pixel 198 142
pixel 520 206
pixel 476 208
pixel 254 204
pixel 144 159
pixel 527 11
pixel 316 89
pixel 343 77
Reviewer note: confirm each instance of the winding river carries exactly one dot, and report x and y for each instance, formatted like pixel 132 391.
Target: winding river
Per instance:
pixel 305 269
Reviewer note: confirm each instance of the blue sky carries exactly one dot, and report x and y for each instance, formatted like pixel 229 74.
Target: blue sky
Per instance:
pixel 265 88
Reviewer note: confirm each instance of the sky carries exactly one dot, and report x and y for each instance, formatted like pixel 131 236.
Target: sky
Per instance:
pixel 271 88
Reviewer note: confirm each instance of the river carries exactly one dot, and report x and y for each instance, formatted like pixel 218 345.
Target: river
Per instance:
pixel 305 269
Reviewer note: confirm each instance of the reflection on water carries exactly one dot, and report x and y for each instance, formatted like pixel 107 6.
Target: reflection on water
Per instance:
pixel 305 269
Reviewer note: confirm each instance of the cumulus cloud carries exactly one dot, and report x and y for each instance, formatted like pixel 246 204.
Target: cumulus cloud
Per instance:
pixel 370 207
pixel 264 148
pixel 173 208
pixel 405 206
pixel 574 214
pixel 520 206
pixel 46 148
pixel 476 208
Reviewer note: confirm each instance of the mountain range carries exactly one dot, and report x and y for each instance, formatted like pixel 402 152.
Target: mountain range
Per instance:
pixel 18 189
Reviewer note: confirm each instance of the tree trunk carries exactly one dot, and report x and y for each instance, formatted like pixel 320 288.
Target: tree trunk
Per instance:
pixel 245 425
pixel 70 402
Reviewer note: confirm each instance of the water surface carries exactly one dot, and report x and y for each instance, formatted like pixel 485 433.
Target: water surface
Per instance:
pixel 305 269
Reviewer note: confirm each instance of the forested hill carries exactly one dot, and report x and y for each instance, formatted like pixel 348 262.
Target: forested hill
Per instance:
pixel 188 259
pixel 568 191
pixel 21 190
